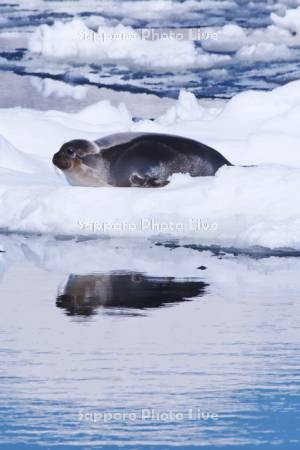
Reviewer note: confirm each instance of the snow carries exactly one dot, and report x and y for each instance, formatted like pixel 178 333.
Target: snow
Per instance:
pixel 74 41
pixel 264 51
pixel 274 42
pixel 290 21
pixel 187 108
pixel 128 11
pixel 15 160
pixel 229 38
pixel 240 206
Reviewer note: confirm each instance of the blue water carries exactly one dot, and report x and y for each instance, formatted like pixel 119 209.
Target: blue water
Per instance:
pixel 90 330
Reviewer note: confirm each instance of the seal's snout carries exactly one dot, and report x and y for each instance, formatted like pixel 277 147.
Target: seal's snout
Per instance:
pixel 61 161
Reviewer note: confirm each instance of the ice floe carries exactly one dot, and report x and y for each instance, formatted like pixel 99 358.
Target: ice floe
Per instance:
pixel 74 41
pixel 240 206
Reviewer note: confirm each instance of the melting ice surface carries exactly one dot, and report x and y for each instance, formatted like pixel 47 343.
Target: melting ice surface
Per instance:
pixel 109 327
pixel 246 45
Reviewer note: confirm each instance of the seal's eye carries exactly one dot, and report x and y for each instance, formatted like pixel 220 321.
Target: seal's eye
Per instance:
pixel 71 152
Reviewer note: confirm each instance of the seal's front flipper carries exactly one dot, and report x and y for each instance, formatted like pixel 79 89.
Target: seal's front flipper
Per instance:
pixel 137 180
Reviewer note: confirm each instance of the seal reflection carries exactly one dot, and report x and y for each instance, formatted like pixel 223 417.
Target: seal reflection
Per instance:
pixel 84 294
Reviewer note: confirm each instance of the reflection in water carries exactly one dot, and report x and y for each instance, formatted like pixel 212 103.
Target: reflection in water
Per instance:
pixel 236 355
pixel 83 294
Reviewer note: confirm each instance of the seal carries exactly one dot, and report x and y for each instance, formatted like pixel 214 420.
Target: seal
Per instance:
pixel 135 160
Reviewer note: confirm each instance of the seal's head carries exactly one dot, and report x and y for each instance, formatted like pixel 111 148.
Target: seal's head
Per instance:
pixel 71 153
pixel 81 163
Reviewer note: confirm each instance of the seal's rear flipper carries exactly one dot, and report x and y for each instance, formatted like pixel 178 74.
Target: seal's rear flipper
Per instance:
pixel 138 180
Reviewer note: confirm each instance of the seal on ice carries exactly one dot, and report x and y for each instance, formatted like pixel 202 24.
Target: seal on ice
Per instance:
pixel 135 160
